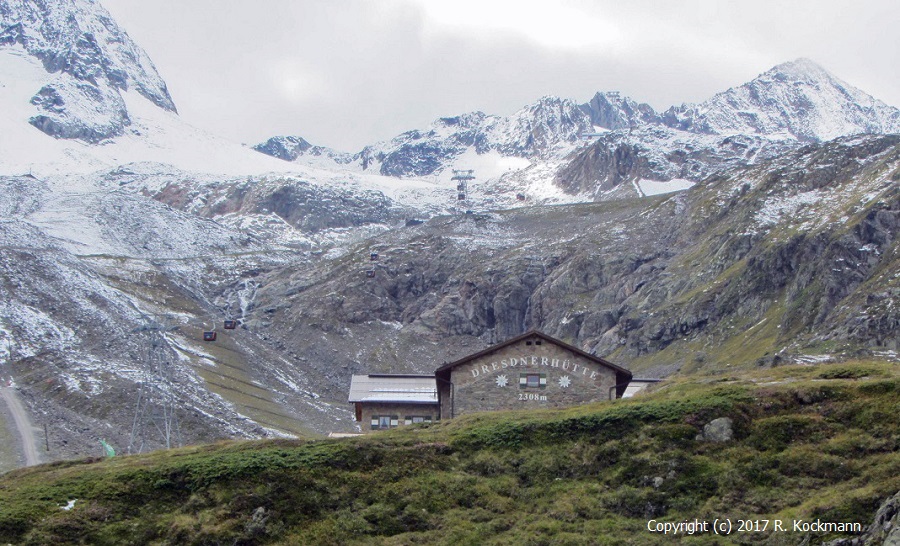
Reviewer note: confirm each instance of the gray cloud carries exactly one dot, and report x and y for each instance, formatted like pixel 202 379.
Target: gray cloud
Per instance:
pixel 345 74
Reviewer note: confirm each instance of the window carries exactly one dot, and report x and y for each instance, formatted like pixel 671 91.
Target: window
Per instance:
pixel 415 419
pixel 384 421
pixel 532 380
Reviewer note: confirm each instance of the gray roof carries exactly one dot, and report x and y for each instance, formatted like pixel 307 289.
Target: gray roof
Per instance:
pixel 412 389
pixel 637 385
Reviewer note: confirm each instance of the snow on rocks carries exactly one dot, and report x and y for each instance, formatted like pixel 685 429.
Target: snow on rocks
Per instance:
pixel 775 207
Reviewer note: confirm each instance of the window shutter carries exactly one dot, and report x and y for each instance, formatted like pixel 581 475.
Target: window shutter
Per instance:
pixel 374 422
pixel 543 382
pixel 395 421
pixel 408 421
pixel 523 380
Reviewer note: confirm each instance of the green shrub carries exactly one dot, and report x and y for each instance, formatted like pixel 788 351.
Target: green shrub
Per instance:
pixel 776 433
pixel 852 372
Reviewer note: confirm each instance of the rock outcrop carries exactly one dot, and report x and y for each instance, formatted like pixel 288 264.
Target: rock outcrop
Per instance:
pixel 90 62
pixel 884 530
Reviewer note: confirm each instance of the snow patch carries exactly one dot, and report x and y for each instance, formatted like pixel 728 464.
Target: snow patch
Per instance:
pixel 655 187
pixel 813 359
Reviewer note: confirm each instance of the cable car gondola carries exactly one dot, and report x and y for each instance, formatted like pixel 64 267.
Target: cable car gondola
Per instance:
pixel 209 336
pixel 230 324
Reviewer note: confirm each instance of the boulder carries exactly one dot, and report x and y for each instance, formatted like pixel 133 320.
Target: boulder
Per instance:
pixel 718 430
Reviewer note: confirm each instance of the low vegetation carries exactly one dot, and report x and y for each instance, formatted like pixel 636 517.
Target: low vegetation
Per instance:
pixel 809 442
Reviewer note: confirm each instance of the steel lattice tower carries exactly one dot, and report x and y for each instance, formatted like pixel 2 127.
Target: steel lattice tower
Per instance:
pixel 155 417
pixel 462 178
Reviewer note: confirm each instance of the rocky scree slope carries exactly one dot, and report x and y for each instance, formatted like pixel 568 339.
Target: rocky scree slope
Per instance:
pixel 86 264
pixel 789 258
pixel 302 204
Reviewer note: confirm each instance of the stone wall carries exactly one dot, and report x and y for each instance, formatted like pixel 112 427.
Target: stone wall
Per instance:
pixel 494 381
pixel 399 410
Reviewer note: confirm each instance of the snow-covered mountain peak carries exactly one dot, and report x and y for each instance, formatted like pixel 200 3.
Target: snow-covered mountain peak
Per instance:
pixel 548 109
pixel 287 148
pixel 611 110
pixel 81 38
pixel 78 95
pixel 468 120
pixel 89 63
pixel 797 99
pixel 538 129
pixel 548 103
pixel 800 70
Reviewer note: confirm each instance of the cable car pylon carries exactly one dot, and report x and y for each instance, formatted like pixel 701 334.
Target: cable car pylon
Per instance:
pixel 462 177
pixel 155 417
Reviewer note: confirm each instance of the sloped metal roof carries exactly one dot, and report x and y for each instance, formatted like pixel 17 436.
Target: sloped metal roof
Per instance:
pixel 414 389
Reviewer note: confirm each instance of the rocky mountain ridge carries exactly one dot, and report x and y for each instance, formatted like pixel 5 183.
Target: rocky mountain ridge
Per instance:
pixel 798 99
pixel 790 104
pixel 91 61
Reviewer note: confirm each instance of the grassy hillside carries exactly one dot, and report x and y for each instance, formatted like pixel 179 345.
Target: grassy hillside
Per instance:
pixel 810 442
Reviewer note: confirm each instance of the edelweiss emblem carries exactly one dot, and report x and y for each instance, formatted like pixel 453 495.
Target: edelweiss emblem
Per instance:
pixel 564 381
pixel 502 380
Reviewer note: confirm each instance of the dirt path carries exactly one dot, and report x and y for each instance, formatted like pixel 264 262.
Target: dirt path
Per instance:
pixel 23 423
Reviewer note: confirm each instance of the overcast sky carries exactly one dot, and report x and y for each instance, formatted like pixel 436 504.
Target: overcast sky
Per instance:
pixel 346 73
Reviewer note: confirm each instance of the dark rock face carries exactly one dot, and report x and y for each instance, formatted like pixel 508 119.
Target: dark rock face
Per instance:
pixel 287 148
pixel 63 107
pixel 304 205
pixel 312 209
pixel 603 167
pixel 420 159
pixel 613 111
pixel 13 34
pixel 658 153
pixel 421 153
pixel 884 530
